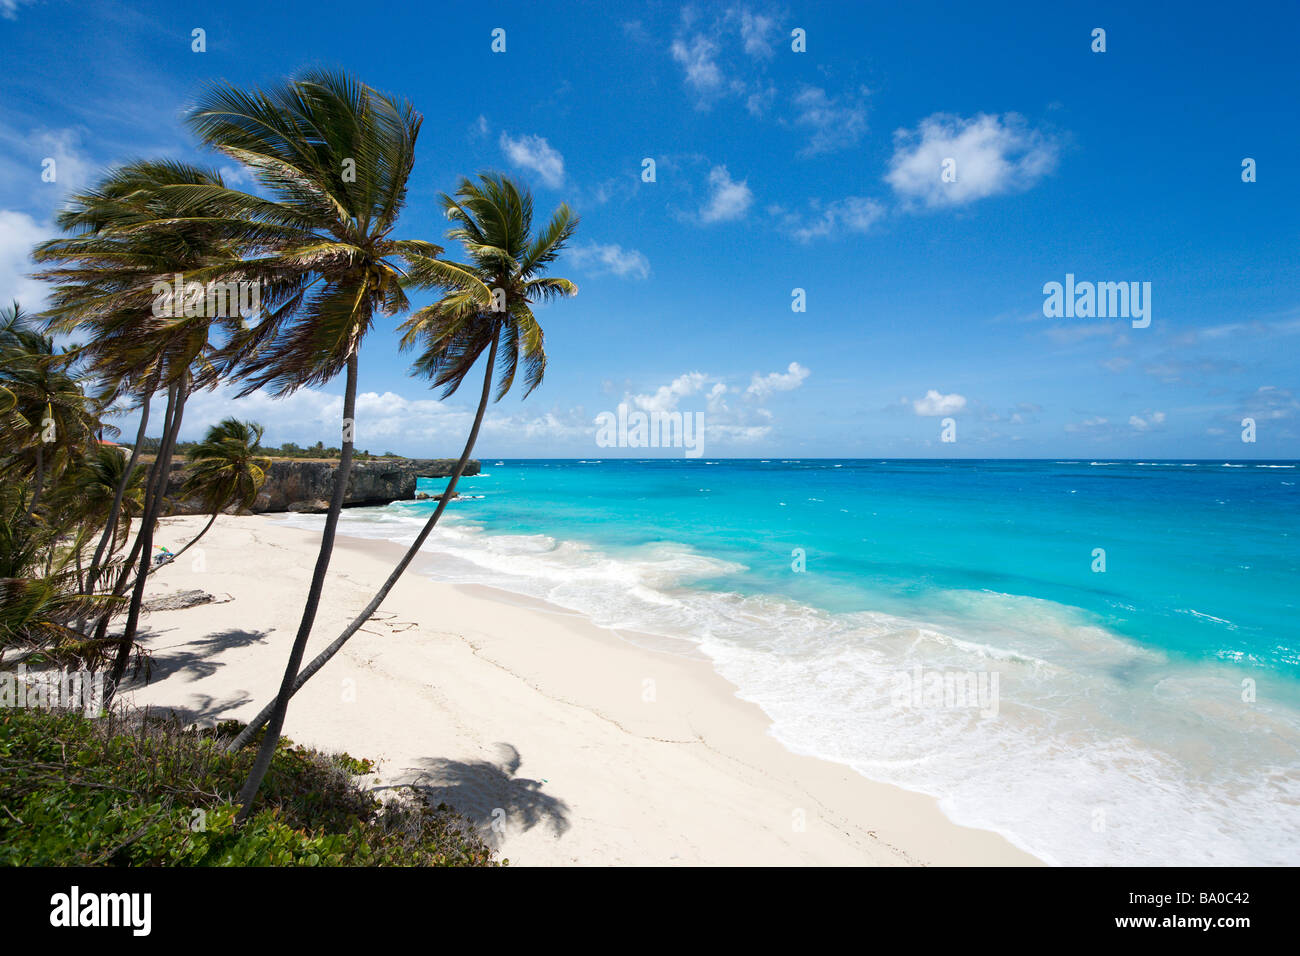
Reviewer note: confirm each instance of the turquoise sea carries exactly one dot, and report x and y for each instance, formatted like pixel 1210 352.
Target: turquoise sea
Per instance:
pixel 1147 713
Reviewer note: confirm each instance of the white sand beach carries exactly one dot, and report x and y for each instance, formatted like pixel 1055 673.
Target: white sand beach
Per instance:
pixel 584 747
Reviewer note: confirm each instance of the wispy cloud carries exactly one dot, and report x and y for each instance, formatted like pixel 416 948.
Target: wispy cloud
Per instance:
pixel 40 167
pixel 1172 370
pixel 9 8
pixel 835 122
pixel 697 58
pixel 756 31
pixel 852 214
pixel 598 259
pixel 1146 420
pixel 1097 425
pixel 534 153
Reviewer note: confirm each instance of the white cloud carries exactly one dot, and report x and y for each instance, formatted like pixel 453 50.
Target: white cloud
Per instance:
pixel 237 177
pixel 761 99
pixel 386 421
pixel 762 386
pixel 935 403
pixel 29 157
pixel 1152 419
pixel 744 423
pixel 697 59
pixel 1270 402
pixel 850 214
pixel 728 199
pixel 599 259
pixel 72 170
pixel 708 54
pixel 666 397
pixel 836 123
pixel 755 31
pixel 992 154
pixel 19 232
pixel 9 8
pixel 535 153
pixel 1097 424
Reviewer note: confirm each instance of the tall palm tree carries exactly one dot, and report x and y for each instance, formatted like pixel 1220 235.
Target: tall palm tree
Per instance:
pixel 486 312
pixel 225 469
pixel 128 234
pixel 333 157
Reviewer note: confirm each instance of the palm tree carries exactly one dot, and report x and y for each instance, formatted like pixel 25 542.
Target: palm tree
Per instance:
pixel 486 312
pixel 225 469
pixel 55 421
pixel 127 235
pixel 40 600
pixel 88 496
pixel 333 157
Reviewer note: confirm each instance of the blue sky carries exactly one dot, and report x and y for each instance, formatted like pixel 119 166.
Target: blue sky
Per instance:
pixel 776 170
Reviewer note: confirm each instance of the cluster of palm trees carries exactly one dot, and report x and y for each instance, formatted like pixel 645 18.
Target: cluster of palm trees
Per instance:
pixel 318 238
pixel 69 500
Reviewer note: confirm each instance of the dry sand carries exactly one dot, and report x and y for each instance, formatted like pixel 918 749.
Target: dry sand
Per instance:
pixel 567 742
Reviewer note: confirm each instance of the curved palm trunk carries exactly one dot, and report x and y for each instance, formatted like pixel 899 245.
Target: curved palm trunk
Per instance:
pixel 40 479
pixel 189 544
pixel 321 659
pixel 144 541
pixel 150 488
pixel 124 573
pixel 92 574
pixel 276 721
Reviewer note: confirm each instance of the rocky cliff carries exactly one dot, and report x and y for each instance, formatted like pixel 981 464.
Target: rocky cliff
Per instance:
pixel 306 486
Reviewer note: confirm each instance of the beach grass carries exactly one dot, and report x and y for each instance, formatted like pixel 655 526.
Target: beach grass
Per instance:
pixel 137 789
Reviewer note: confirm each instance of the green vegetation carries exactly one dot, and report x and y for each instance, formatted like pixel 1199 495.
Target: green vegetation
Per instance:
pixel 149 261
pixel 69 504
pixel 289 449
pixel 143 791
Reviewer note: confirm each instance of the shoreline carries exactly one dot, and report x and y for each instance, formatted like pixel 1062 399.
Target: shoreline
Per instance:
pixel 568 742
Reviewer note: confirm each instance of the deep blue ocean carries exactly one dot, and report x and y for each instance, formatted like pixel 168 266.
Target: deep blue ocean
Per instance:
pixel 1134 622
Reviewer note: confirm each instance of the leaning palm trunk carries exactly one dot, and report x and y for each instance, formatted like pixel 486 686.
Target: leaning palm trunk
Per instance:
pixel 321 659
pixel 110 526
pixel 276 721
pixel 39 483
pixel 189 544
pixel 144 542
pixel 150 486
pixel 115 511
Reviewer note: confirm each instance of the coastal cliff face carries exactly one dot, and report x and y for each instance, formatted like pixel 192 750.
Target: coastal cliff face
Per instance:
pixel 306 486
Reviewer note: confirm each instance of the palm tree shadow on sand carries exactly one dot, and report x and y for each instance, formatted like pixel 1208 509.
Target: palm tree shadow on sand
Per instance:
pixel 202 709
pixel 487 792
pixel 194 660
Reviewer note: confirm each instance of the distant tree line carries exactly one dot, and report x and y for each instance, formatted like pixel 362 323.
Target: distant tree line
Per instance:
pixel 289 449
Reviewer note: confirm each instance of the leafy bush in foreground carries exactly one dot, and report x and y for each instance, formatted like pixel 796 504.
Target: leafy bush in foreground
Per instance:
pixel 144 791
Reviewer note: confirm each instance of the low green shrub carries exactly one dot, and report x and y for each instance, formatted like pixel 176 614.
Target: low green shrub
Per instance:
pixel 146 791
